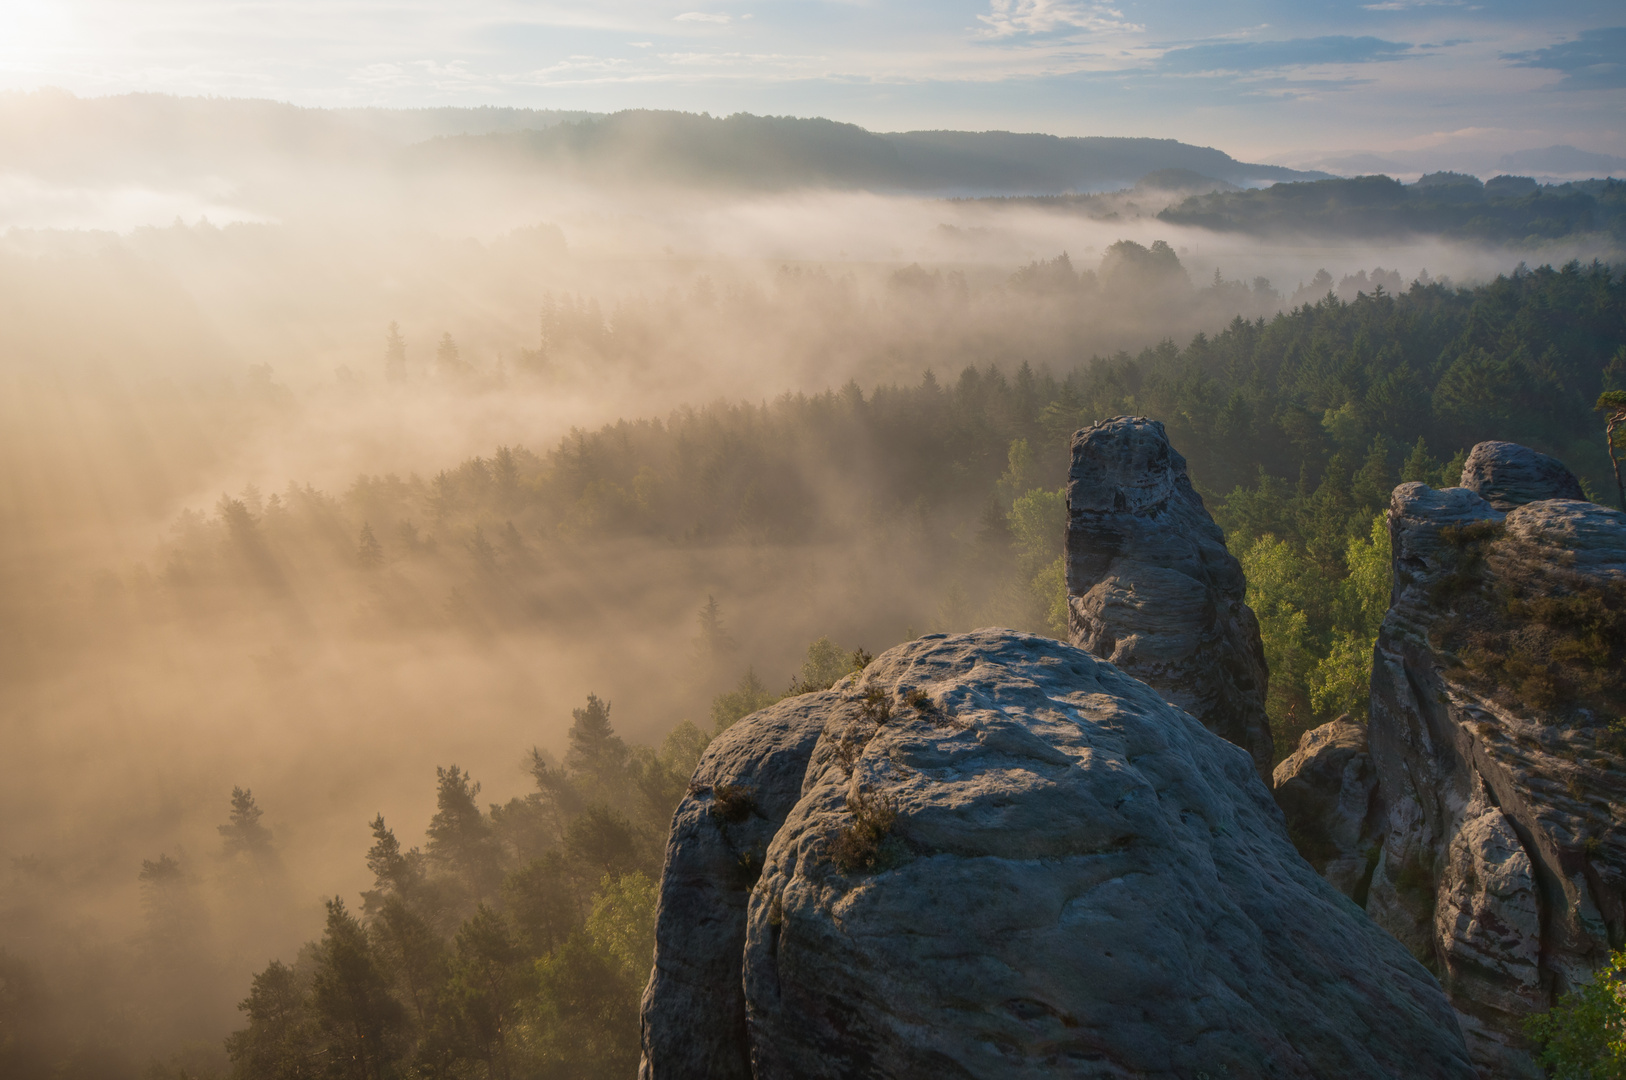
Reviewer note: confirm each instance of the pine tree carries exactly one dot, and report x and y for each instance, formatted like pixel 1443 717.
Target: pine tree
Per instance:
pixel 539 899
pixel 409 951
pixel 170 907
pixel 459 834
pixel 244 833
pixel 394 873
pixel 603 841
pixel 747 697
pixel 448 359
pixel 485 555
pixel 505 471
pixel 1375 482
pixel 715 641
pixel 486 987
pixel 596 751
pixel 369 552
pixel 1419 467
pixel 281 1041
pixel 352 1001
pixel 395 370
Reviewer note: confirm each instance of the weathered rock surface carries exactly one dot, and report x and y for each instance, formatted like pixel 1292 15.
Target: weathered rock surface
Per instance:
pixel 1152 588
pixel 1500 783
pixel 1065 875
pixel 748 780
pixel 1506 475
pixel 1327 789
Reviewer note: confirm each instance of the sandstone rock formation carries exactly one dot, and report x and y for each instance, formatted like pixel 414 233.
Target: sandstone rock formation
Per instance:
pixel 1506 475
pixel 1496 691
pixel 1152 588
pixel 748 780
pixel 1327 789
pixel 1010 859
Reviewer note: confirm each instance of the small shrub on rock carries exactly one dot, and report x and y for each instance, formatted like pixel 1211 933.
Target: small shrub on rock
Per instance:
pixel 876 705
pixel 857 845
pixel 732 803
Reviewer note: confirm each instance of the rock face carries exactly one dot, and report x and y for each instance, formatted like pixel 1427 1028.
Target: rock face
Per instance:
pixel 1506 475
pixel 1327 790
pixel 748 780
pixel 1010 859
pixel 1152 588
pixel 1500 781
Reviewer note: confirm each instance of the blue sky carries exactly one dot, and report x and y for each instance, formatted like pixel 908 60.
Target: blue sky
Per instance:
pixel 1302 82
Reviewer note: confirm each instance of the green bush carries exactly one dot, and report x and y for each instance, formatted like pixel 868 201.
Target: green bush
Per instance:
pixel 1583 1037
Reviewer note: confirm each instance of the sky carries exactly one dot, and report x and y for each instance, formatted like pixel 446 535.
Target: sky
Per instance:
pixel 1301 82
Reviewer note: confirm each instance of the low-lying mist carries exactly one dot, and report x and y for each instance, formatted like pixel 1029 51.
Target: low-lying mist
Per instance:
pixel 312 502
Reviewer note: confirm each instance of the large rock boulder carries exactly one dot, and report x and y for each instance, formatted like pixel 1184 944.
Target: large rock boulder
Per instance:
pixel 1496 683
pixel 748 780
pixel 1152 588
pixel 1506 475
pixel 1327 789
pixel 1010 859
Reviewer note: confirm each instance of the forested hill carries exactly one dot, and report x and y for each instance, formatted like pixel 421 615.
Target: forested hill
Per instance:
pixel 1304 397
pixel 1506 208
pixel 1296 430
pixel 519 937
pixel 53 133
pixel 780 151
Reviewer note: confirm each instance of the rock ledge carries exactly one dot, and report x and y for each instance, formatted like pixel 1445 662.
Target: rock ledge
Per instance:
pixel 1066 873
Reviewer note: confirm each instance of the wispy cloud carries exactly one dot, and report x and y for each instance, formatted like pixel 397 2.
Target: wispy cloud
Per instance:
pixel 756 62
pixel 1010 18
pixel 1253 56
pixel 453 78
pixel 1594 61
pixel 1407 5
pixel 1185 69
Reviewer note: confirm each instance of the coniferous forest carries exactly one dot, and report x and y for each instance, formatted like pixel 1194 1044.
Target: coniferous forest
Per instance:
pixel 512 938
pixel 572 542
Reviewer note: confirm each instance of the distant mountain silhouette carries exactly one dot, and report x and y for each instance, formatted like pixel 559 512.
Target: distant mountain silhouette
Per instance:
pixel 772 152
pixel 1563 159
pixel 52 132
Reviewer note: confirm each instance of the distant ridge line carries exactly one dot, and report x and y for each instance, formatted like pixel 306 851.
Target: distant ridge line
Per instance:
pixel 752 151
pixel 58 131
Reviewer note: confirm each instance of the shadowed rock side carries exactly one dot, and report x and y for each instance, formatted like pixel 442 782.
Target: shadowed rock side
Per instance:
pixel 1010 859
pixel 1152 588
pixel 1327 789
pixel 1496 675
pixel 748 780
